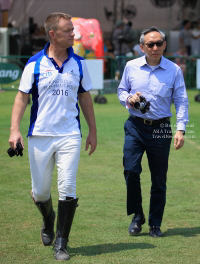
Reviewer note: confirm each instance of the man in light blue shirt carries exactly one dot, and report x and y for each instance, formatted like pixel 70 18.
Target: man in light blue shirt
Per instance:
pixel 161 82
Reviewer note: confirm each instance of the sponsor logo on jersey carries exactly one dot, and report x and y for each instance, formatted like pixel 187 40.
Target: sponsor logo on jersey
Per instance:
pixel 72 73
pixel 60 83
pixel 48 73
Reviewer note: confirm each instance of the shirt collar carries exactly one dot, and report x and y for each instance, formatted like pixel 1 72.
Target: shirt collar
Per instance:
pixel 70 51
pixel 162 63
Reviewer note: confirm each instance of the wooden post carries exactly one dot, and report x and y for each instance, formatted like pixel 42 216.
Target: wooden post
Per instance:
pixel 5 17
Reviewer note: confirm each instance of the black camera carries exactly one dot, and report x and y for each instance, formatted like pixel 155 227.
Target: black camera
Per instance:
pixel 120 38
pixel 18 151
pixel 143 105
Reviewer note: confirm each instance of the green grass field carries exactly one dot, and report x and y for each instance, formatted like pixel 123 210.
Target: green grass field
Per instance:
pixel 100 230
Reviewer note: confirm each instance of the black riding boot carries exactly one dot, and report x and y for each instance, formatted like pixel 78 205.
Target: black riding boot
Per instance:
pixel 47 231
pixel 66 211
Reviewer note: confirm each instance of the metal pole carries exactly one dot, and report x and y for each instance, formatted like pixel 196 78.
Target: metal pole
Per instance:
pixel 122 9
pixel 169 27
pixel 181 11
pixel 115 12
pixel 24 13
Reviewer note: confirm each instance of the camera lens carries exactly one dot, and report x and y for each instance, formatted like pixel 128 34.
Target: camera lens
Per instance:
pixel 137 105
pixel 142 105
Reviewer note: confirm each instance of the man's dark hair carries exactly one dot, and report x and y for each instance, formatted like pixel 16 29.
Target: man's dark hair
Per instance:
pixel 129 23
pixel 185 22
pixel 148 30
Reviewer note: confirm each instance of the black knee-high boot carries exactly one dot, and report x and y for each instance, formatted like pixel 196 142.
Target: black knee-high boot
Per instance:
pixel 47 231
pixel 66 211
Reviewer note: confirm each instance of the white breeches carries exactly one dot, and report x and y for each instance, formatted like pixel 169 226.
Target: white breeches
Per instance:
pixel 44 152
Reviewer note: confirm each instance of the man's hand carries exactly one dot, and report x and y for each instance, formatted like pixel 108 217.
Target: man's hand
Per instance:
pixel 178 140
pixel 92 141
pixel 135 98
pixel 14 138
pixel 21 101
pixel 85 101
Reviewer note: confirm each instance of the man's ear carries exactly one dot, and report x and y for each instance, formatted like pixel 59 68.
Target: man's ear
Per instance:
pixel 165 45
pixel 142 47
pixel 51 34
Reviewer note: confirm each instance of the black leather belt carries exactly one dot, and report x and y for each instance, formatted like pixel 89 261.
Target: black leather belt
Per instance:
pixel 152 122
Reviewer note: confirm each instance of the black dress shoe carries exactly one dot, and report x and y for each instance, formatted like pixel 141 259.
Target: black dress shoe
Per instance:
pixel 155 231
pixel 136 225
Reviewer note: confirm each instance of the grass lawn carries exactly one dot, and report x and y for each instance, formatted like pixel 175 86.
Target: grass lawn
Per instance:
pixel 100 230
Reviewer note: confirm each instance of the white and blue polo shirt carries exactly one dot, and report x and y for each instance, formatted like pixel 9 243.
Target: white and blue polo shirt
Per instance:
pixel 54 89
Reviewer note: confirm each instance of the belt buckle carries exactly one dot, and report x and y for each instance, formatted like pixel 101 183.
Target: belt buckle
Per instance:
pixel 148 122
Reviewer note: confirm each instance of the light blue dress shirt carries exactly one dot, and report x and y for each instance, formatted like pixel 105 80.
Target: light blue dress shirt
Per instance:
pixel 161 86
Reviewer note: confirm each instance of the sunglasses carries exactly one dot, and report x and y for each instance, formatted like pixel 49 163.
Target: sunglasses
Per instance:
pixel 151 45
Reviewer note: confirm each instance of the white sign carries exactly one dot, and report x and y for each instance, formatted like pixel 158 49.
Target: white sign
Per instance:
pixel 95 68
pixel 198 74
pixel 4 42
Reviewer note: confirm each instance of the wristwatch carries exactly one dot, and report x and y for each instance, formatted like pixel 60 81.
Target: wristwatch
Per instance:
pixel 182 131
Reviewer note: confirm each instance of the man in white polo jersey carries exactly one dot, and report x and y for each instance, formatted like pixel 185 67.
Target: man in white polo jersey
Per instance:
pixel 58 80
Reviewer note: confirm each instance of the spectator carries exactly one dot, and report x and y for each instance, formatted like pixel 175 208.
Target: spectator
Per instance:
pixel 137 51
pixel 186 36
pixel 122 36
pixel 108 53
pixel 180 59
pixel 129 34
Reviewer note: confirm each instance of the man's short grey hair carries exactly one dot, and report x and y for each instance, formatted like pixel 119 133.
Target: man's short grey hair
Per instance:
pixel 52 21
pixel 148 30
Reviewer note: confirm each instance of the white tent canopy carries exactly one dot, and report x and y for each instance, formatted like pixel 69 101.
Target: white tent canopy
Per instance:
pixel 142 13
pixel 4 4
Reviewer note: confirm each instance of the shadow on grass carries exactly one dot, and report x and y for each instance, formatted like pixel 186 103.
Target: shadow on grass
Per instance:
pixel 186 232
pixel 107 248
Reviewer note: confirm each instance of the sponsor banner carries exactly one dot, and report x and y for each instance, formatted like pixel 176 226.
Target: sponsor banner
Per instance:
pixel 9 72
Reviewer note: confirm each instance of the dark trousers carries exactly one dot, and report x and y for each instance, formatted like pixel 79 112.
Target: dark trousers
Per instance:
pixel 189 50
pixel 155 140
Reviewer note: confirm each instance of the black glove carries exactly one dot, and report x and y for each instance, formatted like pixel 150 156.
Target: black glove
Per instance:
pixel 18 151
